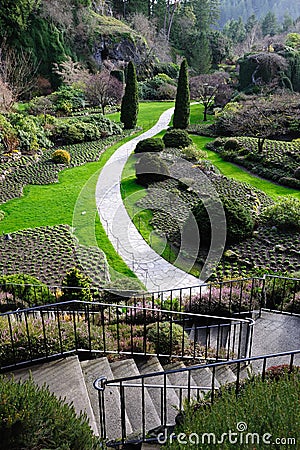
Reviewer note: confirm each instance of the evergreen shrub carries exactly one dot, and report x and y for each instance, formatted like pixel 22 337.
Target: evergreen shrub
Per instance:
pixel 167 338
pixel 177 138
pixel 32 418
pixel 26 290
pixel 149 168
pixel 149 145
pixel 61 157
pixel 232 144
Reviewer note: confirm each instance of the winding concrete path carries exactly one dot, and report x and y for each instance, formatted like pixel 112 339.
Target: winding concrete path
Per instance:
pixel 154 271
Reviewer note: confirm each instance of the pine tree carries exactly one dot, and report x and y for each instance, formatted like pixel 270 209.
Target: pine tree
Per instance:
pixel 202 58
pixel 182 105
pixel 130 100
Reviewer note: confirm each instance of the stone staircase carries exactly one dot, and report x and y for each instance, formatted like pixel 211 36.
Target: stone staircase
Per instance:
pixel 72 380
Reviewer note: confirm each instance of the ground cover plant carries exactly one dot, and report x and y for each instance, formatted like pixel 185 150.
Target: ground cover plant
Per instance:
pixel 279 161
pixel 278 416
pixel 18 171
pixel 32 417
pixel 48 253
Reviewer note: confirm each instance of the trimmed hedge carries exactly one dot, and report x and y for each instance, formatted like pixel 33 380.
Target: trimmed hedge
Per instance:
pixel 150 168
pixel 177 139
pixel 149 145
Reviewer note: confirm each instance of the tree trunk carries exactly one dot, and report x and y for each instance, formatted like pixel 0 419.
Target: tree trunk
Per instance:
pixel 260 144
pixel 205 112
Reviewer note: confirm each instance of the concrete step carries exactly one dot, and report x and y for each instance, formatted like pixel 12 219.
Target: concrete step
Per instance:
pixel 133 398
pixel 203 378
pixel 152 364
pixel 64 378
pixel 181 379
pixel 224 375
pixel 212 336
pixel 93 369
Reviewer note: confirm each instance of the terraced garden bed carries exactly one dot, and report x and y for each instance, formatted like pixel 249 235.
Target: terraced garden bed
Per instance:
pixel 267 250
pixel 278 161
pixel 47 253
pixel 15 173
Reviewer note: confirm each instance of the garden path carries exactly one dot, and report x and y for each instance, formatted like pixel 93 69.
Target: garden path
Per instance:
pixel 154 271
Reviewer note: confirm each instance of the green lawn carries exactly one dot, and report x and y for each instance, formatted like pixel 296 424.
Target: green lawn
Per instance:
pixel 240 174
pixel 64 202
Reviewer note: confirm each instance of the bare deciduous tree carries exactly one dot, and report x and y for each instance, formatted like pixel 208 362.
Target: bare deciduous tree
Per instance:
pixel 103 89
pixel 207 87
pixel 59 11
pixel 262 117
pixel 18 71
pixel 6 97
pixel 71 72
pixel 156 40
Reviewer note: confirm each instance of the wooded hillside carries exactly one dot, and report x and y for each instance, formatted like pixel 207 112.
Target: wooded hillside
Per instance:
pixel 233 9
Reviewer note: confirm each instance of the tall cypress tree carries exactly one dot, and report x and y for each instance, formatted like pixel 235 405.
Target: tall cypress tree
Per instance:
pixel 182 104
pixel 130 100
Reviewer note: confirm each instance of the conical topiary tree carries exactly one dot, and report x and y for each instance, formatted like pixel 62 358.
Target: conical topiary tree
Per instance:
pixel 130 100
pixel 182 104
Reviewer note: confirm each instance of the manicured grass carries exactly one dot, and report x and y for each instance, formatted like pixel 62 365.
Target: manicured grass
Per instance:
pixel 233 171
pixel 149 112
pixel 196 116
pixel 64 202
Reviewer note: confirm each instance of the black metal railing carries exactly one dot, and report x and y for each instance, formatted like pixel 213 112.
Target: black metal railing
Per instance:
pixel 42 332
pixel 190 390
pixel 233 297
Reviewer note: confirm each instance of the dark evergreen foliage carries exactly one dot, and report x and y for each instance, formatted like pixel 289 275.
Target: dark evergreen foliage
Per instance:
pixel 149 145
pixel 239 221
pixel 177 139
pixel 130 102
pixel 182 105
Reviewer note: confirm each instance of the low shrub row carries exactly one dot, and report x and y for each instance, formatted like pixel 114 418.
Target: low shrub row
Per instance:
pixel 279 161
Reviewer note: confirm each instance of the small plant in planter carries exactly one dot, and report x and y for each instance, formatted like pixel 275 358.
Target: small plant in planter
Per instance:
pixel 61 157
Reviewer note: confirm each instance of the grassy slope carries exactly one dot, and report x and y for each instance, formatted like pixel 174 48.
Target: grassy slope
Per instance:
pixel 238 173
pixel 54 204
pixel 233 171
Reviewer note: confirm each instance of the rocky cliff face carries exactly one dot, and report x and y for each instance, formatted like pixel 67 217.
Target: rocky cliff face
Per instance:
pixel 116 45
pixel 106 48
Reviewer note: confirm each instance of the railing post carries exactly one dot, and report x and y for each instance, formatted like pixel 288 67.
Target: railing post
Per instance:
pixel 99 385
pixel 123 417
pixel 263 295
